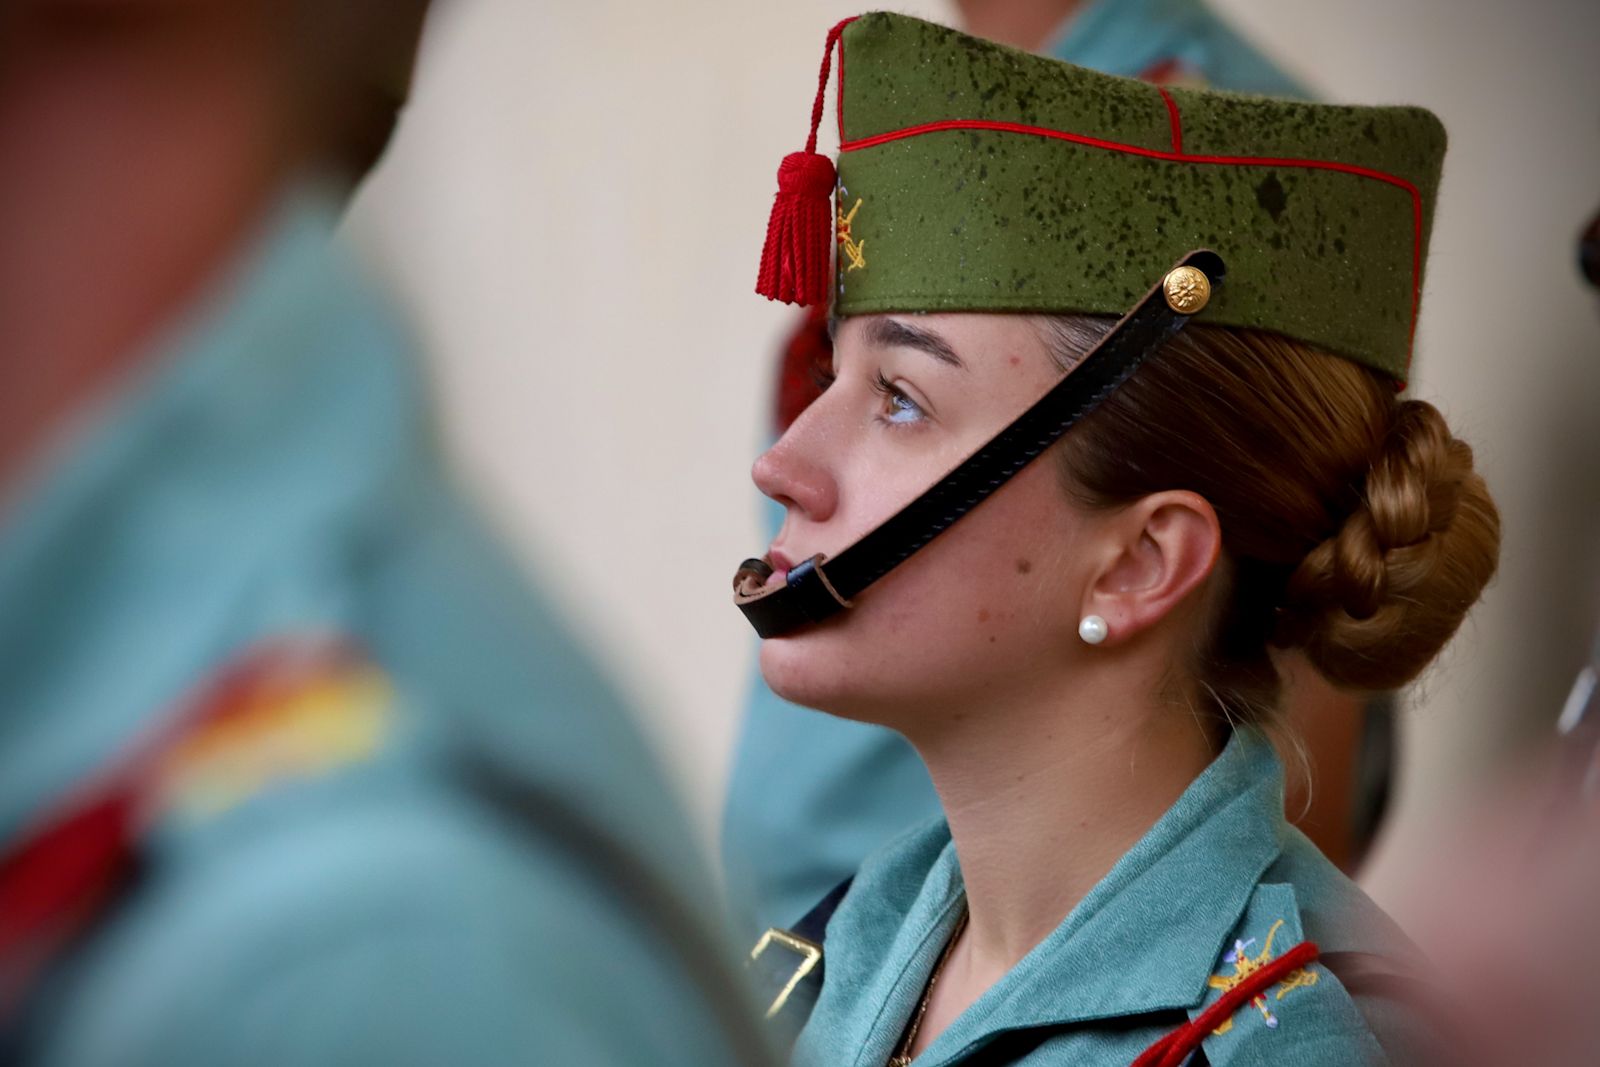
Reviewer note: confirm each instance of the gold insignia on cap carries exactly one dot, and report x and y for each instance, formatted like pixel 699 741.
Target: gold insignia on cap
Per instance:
pixel 1187 289
pixel 855 251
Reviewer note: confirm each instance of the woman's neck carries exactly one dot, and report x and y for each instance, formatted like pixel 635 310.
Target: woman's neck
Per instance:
pixel 1040 810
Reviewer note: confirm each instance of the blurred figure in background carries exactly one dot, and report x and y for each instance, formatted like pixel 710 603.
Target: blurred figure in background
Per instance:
pixel 1507 903
pixel 294 768
pixel 810 796
pixel 1504 894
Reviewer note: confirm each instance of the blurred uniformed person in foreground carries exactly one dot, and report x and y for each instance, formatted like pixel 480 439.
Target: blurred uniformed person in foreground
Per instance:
pixel 1113 425
pixel 294 767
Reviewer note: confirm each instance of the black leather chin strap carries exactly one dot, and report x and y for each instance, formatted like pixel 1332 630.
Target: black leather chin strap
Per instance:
pixel 811 594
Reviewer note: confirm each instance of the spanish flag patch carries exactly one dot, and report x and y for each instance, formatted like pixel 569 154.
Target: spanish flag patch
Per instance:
pixel 292 710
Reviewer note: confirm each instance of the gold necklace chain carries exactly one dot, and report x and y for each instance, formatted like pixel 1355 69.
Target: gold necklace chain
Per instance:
pixel 902 1054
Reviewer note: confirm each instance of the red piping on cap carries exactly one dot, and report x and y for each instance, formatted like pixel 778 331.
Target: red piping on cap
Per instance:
pixel 1177 156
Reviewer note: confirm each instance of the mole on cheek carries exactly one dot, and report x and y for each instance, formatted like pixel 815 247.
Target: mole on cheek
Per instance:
pixel 1024 566
pixel 983 614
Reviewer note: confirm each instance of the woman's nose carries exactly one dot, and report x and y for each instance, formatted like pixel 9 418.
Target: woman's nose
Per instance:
pixel 786 474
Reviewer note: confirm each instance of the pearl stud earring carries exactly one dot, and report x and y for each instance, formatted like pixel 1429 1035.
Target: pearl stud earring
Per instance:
pixel 1093 629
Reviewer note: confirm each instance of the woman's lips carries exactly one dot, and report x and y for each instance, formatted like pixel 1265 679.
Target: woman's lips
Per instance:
pixel 781 565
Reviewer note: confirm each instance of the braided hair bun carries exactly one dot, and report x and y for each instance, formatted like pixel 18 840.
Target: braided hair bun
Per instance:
pixel 1373 604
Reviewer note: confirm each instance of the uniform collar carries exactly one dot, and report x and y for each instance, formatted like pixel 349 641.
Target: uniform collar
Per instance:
pixel 1145 939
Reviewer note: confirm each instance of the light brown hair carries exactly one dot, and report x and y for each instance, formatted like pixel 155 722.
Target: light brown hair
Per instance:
pixel 1353 524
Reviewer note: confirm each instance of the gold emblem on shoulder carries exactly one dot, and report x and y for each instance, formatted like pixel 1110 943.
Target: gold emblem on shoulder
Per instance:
pixel 1187 289
pixel 1244 965
pixel 855 251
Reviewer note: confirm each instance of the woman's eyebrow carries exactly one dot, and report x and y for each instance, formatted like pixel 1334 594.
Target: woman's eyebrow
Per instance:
pixel 887 333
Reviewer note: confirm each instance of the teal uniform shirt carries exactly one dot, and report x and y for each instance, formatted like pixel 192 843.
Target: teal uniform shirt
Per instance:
pixel 1180 39
pixel 1149 947
pixel 367 863
pixel 810 796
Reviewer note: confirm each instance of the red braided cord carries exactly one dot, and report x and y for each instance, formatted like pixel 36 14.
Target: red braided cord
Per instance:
pixel 822 80
pixel 1173 1047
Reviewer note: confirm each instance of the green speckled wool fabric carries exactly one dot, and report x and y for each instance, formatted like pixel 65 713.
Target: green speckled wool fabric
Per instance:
pixel 1321 212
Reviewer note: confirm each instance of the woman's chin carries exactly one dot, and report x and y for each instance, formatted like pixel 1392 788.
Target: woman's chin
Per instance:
pixel 789 671
pixel 814 671
pixel 800 672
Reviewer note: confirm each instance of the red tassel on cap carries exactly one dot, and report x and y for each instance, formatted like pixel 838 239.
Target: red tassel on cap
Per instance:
pixel 796 257
pixel 799 248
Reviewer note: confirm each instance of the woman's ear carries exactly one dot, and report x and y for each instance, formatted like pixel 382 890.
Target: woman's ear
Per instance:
pixel 1166 544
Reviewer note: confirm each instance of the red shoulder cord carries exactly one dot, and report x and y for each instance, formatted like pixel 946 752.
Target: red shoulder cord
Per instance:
pixel 1175 1047
pixel 58 878
pixel 799 246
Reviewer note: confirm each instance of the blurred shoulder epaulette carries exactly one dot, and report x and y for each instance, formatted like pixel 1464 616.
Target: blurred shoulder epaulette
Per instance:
pixel 288 711
pixel 285 709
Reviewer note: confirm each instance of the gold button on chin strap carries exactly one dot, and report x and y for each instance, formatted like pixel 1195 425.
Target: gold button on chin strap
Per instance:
pixel 1187 290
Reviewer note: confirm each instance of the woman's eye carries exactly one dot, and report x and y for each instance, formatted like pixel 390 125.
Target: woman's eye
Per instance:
pixel 898 408
pixel 903 409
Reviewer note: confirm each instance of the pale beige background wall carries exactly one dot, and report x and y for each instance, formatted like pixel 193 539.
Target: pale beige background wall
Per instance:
pixel 573 210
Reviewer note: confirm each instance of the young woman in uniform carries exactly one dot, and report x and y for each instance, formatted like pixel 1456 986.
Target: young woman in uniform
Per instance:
pixel 1216 294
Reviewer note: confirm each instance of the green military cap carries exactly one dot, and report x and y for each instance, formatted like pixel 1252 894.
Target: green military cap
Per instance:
pixel 975 177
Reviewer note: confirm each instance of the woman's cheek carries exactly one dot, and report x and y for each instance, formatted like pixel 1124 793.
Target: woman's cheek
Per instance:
pixel 958 617
pixel 921 635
